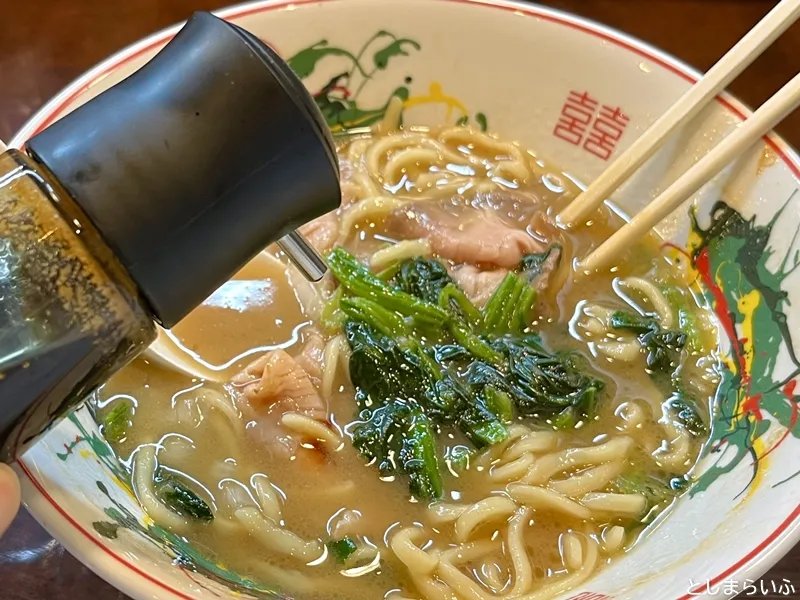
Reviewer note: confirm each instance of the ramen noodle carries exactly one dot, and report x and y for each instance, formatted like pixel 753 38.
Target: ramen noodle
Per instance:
pixel 448 414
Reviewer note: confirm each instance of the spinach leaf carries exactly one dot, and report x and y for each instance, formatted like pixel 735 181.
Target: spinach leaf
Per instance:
pixel 424 359
pixel 399 437
pixel 663 347
pixel 381 370
pixel 341 549
pixel 509 308
pixel 547 384
pixel 180 499
pixel 116 422
pixel 658 492
pixel 422 277
pixel 359 281
pixel 686 411
pixel 532 265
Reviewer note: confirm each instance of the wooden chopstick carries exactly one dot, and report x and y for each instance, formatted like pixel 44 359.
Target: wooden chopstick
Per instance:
pixel 689 105
pixel 743 136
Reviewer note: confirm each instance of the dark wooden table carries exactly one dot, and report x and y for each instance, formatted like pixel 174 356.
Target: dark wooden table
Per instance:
pixel 44 44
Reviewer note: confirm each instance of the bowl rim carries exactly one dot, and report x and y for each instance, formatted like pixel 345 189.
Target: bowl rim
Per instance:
pixel 103 559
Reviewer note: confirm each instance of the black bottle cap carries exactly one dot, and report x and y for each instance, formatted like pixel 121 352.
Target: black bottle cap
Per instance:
pixel 196 162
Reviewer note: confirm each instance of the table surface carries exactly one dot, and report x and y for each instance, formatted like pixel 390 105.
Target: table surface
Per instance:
pixel 45 44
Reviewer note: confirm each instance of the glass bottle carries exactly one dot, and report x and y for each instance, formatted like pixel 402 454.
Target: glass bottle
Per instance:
pixel 70 316
pixel 136 206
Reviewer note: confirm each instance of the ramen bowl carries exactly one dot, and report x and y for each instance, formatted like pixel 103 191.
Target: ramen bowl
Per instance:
pixel 578 94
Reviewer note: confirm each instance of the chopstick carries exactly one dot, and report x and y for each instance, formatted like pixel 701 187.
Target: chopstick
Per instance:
pixel 746 133
pixel 689 105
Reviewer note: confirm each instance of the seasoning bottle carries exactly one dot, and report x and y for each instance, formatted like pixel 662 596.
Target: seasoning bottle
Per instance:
pixel 136 206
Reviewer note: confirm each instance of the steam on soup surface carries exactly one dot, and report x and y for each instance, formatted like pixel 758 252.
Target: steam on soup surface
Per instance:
pixel 448 414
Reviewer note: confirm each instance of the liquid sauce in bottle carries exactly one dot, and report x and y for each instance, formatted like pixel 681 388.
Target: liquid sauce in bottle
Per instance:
pixel 70 315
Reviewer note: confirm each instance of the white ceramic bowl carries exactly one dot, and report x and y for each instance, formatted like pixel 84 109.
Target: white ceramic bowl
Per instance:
pixel 577 93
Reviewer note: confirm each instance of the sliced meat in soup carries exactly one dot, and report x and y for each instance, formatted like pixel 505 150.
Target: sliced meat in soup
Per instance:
pixel 322 232
pixel 272 386
pixel 487 229
pixel 478 285
pixel 277 379
pixel 310 357
pixel 478 237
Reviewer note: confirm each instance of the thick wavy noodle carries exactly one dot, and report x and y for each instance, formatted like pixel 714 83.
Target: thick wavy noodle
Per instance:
pixel 262 475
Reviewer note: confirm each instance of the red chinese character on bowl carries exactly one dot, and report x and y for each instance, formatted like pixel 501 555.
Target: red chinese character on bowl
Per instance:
pixel 576 115
pixel 607 130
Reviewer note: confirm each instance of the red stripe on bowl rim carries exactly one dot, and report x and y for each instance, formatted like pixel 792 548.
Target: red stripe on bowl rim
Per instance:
pixel 55 107
pixel 93 538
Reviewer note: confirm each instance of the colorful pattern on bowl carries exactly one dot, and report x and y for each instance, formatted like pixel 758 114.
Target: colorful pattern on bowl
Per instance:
pixel 742 252
pixel 731 259
pixel 338 99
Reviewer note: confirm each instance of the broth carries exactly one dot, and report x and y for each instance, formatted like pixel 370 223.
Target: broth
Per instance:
pixel 286 501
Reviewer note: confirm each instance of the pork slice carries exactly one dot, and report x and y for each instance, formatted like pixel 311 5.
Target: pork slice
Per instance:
pixel 478 285
pixel 310 357
pixel 271 386
pixel 322 232
pixel 476 236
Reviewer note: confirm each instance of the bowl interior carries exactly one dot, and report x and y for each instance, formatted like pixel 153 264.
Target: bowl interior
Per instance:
pixel 577 94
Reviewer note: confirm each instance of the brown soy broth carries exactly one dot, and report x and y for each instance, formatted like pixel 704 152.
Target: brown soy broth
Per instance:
pixel 315 491
pixel 241 315
pixel 312 497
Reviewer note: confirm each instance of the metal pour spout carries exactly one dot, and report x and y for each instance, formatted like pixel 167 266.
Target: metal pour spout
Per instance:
pixel 303 256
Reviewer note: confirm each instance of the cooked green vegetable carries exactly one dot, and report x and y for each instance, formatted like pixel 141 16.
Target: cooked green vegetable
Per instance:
pixel 493 311
pixel 358 280
pixel 509 308
pixel 384 320
pixel 688 321
pixel 547 384
pixel 422 277
pixel 499 403
pixel 341 549
pixel 473 344
pixel 451 298
pixel 399 438
pixel 686 411
pixel 458 458
pixel 658 493
pixel 663 347
pixel 428 280
pixel 522 315
pixel 117 421
pixel 532 265
pixel 633 322
pixel 452 401
pixel 663 356
pixel 332 316
pixel 181 499
pixel 381 370
pixel 638 482
pixel 469 371
pixel 689 324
